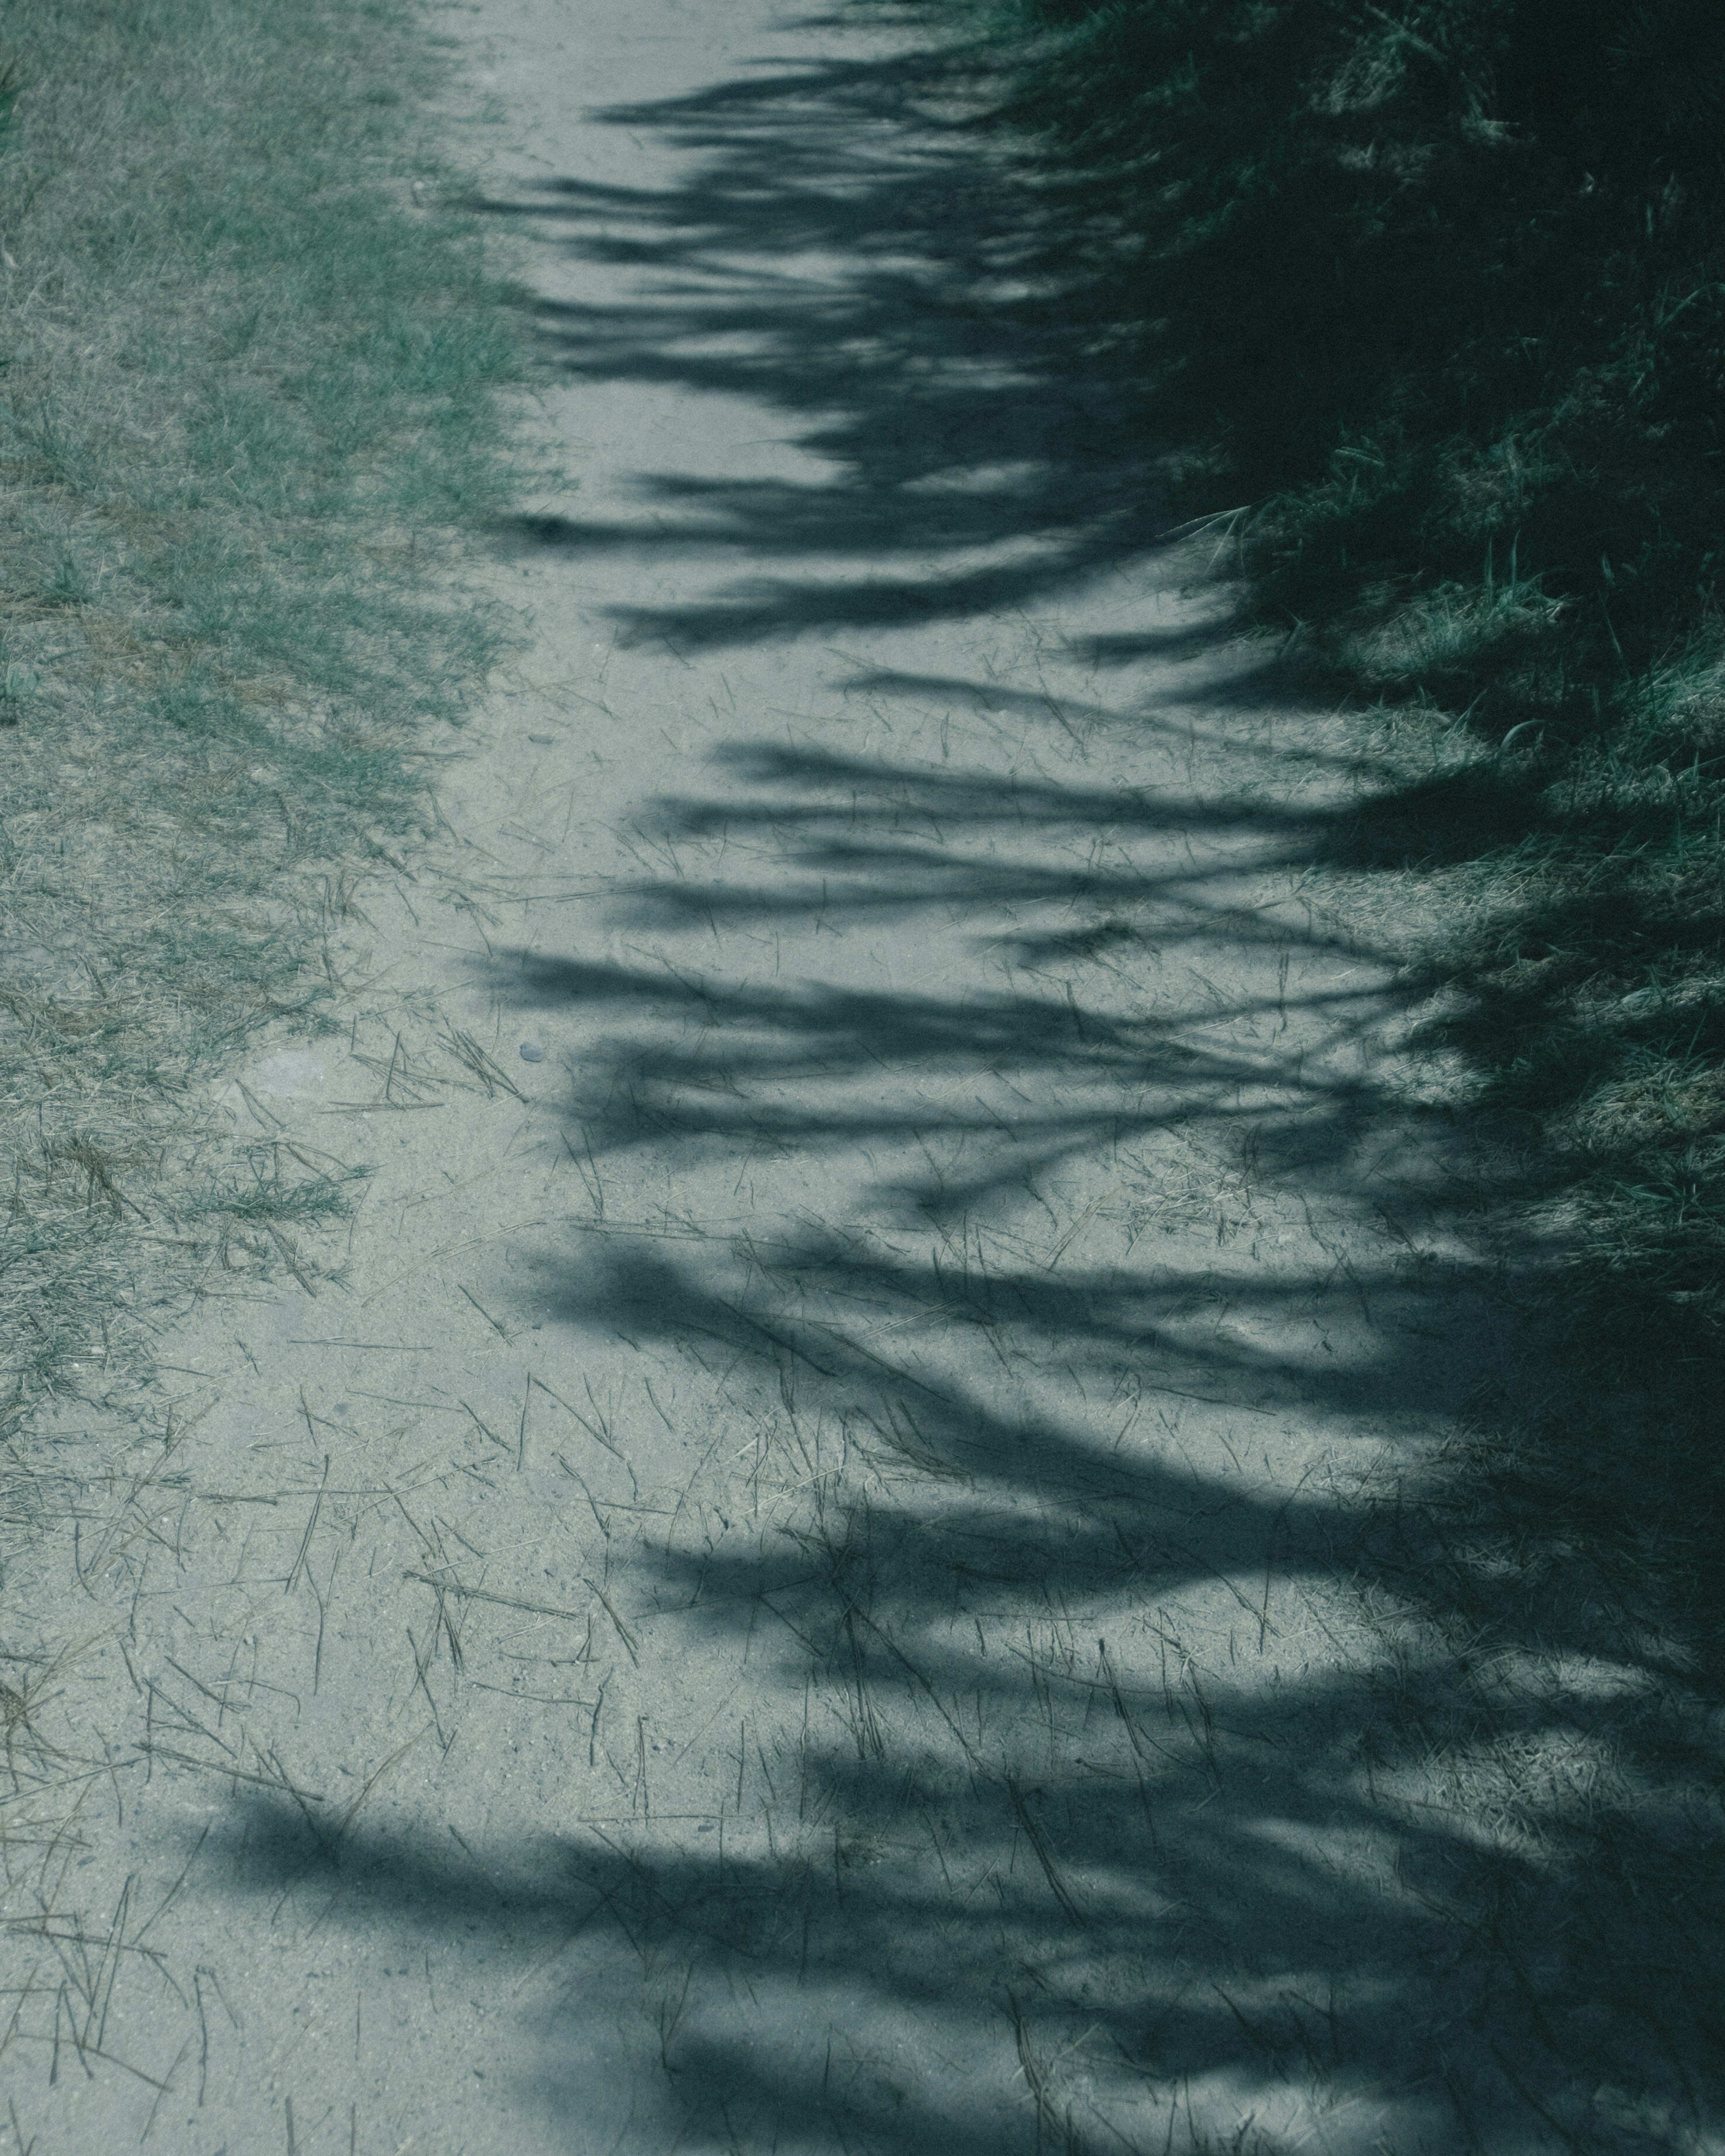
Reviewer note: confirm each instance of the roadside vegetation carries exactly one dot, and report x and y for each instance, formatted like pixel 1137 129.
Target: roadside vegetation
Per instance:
pixel 1422 309
pixel 249 361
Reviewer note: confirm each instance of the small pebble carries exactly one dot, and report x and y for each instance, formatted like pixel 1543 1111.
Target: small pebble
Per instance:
pixel 531 1052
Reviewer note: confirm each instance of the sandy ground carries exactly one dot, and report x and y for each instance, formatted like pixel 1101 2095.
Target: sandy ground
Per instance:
pixel 834 1564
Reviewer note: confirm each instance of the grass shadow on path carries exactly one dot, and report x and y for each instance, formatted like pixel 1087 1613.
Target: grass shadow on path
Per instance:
pixel 1112 1782
pixel 1103 1778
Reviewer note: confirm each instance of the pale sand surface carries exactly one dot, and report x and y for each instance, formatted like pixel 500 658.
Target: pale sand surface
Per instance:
pixel 835 1570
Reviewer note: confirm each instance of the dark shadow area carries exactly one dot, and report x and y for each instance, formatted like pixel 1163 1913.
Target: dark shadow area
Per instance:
pixel 1083 1766
pixel 1525 1947
pixel 847 266
pixel 1453 1883
pixel 1331 303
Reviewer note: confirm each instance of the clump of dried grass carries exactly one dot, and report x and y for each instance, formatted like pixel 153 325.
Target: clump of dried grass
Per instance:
pixel 247 405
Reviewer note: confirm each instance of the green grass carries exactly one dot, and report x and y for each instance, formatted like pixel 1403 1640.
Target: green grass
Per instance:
pixel 248 367
pixel 1423 307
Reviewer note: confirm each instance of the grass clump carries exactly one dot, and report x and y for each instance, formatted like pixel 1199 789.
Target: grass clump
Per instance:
pixel 1421 309
pixel 248 374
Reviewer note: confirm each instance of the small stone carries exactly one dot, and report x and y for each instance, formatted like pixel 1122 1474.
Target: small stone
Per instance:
pixel 531 1052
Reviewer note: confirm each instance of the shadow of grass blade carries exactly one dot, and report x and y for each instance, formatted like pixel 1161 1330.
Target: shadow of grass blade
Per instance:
pixel 1437 289
pixel 248 372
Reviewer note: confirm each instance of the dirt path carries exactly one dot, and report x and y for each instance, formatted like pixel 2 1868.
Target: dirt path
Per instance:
pixel 842 1567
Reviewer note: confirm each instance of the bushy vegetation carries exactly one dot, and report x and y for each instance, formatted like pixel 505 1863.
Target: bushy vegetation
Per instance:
pixel 1423 308
pixel 247 360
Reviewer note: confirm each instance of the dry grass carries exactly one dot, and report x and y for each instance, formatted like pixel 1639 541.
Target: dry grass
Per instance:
pixel 249 365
